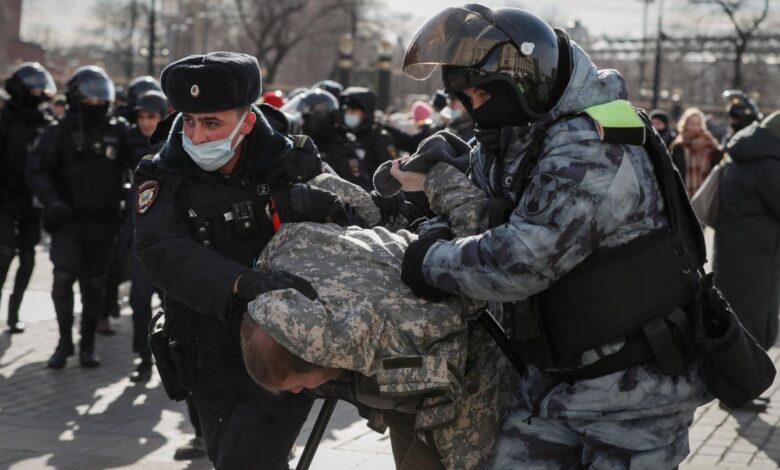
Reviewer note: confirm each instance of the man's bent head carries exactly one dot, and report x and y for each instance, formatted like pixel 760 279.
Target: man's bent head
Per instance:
pixel 275 368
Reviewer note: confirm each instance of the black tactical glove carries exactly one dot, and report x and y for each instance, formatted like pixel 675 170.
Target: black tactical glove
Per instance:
pixel 253 283
pixel 305 203
pixel 411 267
pixel 390 206
pixel 58 212
pixel 490 139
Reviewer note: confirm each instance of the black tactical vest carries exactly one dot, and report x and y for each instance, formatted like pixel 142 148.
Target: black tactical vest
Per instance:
pixel 90 175
pixel 19 130
pixel 636 291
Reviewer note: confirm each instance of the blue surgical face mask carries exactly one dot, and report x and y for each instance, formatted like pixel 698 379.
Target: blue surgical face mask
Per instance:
pixel 210 156
pixel 454 114
pixel 351 120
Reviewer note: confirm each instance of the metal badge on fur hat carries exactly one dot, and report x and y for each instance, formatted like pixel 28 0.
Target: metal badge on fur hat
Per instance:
pixel 212 82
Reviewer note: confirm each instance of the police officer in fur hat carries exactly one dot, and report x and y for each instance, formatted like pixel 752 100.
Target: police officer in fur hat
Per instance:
pixel 204 210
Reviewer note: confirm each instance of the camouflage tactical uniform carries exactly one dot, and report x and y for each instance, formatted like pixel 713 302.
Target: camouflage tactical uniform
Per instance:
pixel 365 320
pixel 584 195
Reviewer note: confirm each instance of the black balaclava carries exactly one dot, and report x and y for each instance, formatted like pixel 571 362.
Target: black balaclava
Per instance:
pixel 93 114
pixel 501 110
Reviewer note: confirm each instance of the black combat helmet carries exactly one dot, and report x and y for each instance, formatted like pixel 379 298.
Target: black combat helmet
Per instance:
pixel 139 86
pixel 89 81
pixel 741 108
pixel 508 49
pixel 31 84
pixel 331 86
pixel 152 101
pixel 316 111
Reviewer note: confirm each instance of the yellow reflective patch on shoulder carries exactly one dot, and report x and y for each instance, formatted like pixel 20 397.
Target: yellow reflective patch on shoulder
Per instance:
pixel 618 113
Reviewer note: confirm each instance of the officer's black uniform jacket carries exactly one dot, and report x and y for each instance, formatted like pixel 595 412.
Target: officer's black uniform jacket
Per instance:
pixel 139 146
pixel 374 139
pixel 186 245
pixel 348 159
pixel 20 127
pixel 81 166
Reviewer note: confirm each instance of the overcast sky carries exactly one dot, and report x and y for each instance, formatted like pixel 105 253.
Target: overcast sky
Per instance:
pixel 65 18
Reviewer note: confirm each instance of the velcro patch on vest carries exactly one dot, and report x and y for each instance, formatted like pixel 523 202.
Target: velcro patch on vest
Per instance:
pixel 145 196
pixel 541 193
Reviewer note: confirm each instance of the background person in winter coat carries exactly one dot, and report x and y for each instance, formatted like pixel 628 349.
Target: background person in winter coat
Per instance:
pixel 695 151
pixel 747 232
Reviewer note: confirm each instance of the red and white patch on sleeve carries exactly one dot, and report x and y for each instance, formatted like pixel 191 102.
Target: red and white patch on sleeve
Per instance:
pixel 145 196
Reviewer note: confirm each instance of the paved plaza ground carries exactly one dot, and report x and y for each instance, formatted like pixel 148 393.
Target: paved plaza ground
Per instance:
pixel 97 419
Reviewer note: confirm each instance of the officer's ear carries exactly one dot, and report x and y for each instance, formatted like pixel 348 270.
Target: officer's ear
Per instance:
pixel 249 122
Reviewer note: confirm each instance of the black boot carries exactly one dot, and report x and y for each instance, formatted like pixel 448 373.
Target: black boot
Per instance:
pixel 142 372
pixel 88 360
pixel 14 325
pixel 192 450
pixel 60 356
pixel 22 280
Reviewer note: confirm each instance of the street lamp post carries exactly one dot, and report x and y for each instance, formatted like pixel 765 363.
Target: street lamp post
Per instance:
pixel 344 63
pixel 643 57
pixel 150 58
pixel 384 65
pixel 658 55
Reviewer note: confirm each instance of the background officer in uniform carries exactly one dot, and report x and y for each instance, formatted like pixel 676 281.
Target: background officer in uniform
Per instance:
pixel 201 219
pixel 566 188
pixel 358 105
pixel 318 113
pixel 21 123
pixel 76 170
pixel 150 108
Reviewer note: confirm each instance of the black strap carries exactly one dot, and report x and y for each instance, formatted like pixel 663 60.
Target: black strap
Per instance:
pixel 667 341
pixel 495 330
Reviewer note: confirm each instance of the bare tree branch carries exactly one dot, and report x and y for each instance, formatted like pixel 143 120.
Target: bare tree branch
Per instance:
pixel 744 32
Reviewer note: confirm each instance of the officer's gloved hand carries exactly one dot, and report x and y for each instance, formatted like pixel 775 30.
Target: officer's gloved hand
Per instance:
pixel 411 267
pixel 305 203
pixel 253 283
pixel 490 139
pixel 390 206
pixel 58 212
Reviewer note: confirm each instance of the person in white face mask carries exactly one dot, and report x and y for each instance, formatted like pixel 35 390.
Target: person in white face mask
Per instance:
pixel 204 210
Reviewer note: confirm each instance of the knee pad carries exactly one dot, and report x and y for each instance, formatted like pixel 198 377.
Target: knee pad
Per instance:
pixel 26 262
pixel 63 283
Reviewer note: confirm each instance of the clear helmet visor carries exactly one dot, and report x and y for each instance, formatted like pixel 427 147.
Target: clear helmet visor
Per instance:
pixel 292 106
pixel 39 83
pixel 97 88
pixel 456 37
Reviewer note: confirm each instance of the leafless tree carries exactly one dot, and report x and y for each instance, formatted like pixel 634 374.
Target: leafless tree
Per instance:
pixel 120 24
pixel 744 28
pixel 275 28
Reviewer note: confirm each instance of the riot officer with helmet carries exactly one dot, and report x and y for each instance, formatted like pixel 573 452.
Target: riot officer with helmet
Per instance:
pixel 21 122
pixel 76 171
pixel 137 88
pixel 317 113
pixel 150 108
pixel 593 250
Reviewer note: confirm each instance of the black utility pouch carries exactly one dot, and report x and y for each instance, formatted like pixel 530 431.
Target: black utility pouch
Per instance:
pixel 736 368
pixel 165 361
pixel 244 221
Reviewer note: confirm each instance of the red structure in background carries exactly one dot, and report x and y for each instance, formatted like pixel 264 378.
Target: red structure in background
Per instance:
pixel 12 49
